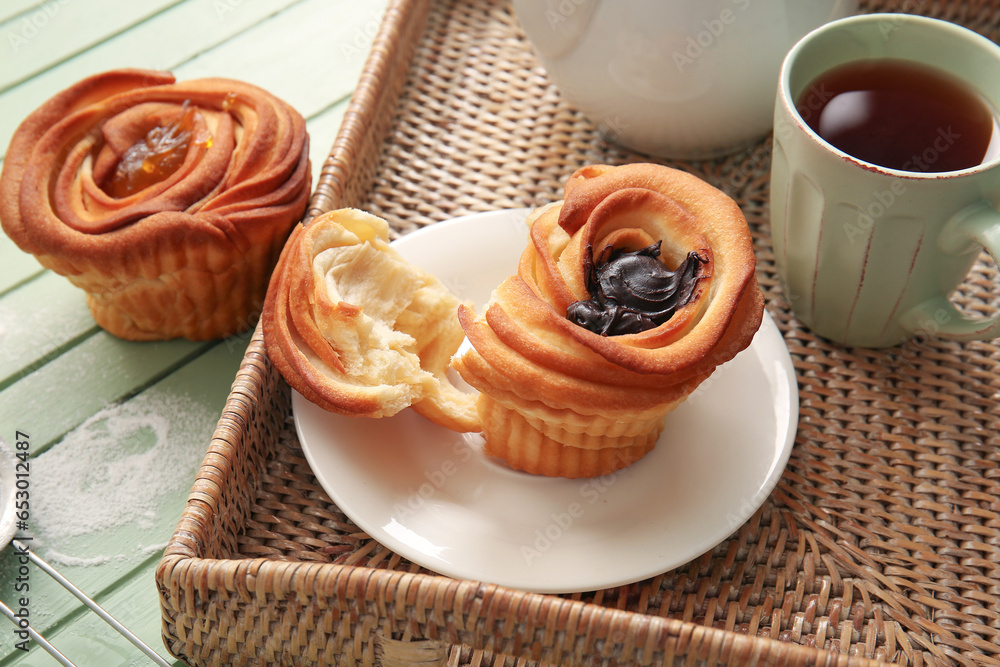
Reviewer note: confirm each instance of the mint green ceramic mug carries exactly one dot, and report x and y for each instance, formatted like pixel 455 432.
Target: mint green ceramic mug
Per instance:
pixel 869 254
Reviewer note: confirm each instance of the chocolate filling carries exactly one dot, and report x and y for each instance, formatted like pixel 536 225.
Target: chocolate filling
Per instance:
pixel 632 291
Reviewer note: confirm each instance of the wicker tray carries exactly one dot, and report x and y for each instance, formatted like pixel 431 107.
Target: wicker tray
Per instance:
pixel 881 541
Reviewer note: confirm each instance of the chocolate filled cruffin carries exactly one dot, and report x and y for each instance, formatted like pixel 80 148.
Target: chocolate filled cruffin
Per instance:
pixel 557 398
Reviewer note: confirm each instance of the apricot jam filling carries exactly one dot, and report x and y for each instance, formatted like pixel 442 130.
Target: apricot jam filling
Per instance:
pixel 155 157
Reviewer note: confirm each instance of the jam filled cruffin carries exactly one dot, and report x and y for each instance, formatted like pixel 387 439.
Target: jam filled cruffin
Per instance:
pixel 167 202
pixel 631 291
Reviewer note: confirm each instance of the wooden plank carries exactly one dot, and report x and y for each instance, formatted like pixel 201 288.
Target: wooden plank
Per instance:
pixel 98 372
pixel 37 320
pixel 15 8
pixel 168 39
pixel 323 129
pixel 16 266
pixel 59 30
pixel 109 494
pixel 309 55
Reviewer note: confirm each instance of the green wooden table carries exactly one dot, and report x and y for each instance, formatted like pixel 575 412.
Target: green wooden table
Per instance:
pixel 117 429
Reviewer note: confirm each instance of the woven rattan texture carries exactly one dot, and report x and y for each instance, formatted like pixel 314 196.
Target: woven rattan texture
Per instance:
pixel 883 536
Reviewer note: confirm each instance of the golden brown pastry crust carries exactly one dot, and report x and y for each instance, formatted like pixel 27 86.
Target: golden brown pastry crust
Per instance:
pixel 189 256
pixel 573 385
pixel 358 330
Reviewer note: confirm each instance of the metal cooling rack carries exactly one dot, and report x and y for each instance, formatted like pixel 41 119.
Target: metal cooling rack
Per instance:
pixel 82 597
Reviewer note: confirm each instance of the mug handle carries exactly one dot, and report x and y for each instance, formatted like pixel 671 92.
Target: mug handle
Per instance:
pixel 979 224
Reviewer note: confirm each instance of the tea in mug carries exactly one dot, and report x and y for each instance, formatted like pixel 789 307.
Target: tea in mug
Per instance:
pixel 901 115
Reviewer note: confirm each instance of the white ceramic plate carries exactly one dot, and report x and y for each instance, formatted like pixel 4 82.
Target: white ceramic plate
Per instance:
pixel 430 494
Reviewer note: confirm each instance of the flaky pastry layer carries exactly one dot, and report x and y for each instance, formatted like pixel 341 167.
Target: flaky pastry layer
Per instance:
pixel 358 330
pixel 520 442
pixel 189 255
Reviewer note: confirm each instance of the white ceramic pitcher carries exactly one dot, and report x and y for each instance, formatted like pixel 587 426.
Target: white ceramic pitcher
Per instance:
pixel 672 78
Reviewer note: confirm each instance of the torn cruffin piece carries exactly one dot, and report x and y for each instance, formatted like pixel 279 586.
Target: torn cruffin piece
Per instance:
pixel 360 331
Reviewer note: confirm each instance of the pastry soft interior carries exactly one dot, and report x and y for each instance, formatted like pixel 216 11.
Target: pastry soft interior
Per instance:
pixel 359 330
